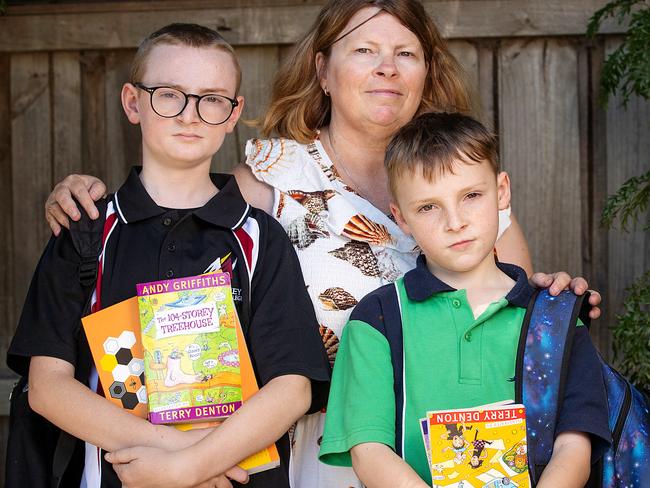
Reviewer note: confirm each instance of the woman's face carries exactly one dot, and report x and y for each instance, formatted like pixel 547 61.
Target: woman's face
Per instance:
pixel 375 75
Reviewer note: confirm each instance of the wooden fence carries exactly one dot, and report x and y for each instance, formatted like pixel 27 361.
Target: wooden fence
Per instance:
pixel 61 70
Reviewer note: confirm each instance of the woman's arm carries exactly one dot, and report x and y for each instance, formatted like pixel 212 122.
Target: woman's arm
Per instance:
pixel 513 248
pixel 377 466
pixel 60 205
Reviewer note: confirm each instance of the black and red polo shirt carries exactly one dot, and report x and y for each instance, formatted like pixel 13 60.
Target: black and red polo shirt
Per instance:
pixel 145 243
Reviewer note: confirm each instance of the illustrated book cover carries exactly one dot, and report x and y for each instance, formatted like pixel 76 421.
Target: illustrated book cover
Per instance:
pixel 481 447
pixel 191 352
pixel 114 337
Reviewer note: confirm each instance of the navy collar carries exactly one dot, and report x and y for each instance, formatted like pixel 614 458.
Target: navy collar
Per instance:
pixel 226 209
pixel 421 284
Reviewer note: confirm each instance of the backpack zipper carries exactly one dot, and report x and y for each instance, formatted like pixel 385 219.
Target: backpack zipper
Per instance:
pixel 622 417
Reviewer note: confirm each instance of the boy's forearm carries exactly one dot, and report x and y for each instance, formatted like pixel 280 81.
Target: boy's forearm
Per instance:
pixel 378 466
pixel 570 463
pixel 55 394
pixel 261 420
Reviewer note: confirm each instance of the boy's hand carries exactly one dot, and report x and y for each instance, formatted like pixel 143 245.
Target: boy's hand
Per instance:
pixel 559 281
pixel 143 467
pixel 60 205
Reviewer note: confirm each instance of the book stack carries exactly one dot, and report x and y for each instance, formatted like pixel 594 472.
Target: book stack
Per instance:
pixel 176 354
pixel 480 447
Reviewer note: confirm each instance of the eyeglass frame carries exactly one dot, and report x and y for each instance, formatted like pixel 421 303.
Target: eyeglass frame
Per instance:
pixel 152 89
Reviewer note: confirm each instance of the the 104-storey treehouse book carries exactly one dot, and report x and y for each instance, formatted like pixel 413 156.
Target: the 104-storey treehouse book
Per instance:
pixel 115 339
pixel 191 351
pixel 481 447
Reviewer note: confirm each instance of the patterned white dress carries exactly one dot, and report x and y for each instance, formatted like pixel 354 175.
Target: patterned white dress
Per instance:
pixel 346 247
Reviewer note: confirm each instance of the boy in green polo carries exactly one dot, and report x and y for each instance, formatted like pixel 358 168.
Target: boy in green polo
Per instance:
pixel 460 312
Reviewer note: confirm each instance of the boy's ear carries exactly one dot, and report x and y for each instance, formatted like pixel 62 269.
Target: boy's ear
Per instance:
pixel 399 218
pixel 236 113
pixel 503 190
pixel 129 97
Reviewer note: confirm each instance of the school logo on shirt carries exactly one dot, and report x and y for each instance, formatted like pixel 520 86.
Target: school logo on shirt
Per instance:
pixel 225 264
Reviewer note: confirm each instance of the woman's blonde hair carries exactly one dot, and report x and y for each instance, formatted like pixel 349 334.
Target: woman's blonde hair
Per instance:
pixel 298 106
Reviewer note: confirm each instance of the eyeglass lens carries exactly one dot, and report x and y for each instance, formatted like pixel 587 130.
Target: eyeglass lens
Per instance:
pixel 213 109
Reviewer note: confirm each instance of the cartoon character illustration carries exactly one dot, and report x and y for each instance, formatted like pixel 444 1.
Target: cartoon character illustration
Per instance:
pixel 515 460
pixel 175 375
pixel 455 434
pixel 478 453
pixel 521 457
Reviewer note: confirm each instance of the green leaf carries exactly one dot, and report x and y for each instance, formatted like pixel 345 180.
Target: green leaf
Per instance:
pixel 627 203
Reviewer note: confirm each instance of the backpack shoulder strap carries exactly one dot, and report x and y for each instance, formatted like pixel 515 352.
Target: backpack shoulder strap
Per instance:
pixel 542 362
pixel 87 236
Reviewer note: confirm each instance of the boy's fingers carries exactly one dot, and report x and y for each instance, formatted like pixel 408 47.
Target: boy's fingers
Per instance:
pixel 97 189
pixel 51 221
pixel 541 280
pixel 594 313
pixel 238 474
pixel 61 198
pixel 578 285
pixel 595 298
pixel 80 191
pixel 121 456
pixel 561 281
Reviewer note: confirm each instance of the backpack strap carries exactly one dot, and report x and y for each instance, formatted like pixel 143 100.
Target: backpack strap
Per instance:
pixel 541 369
pixel 88 237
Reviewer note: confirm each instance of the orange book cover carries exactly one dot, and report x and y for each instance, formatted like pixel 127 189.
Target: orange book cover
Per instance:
pixel 113 334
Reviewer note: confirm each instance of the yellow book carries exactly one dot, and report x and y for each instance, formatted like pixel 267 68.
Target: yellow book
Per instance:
pixel 481 447
pixel 113 335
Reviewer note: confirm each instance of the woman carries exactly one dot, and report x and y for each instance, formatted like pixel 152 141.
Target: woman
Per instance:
pixel 365 69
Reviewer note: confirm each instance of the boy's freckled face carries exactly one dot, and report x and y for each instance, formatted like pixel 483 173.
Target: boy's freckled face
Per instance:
pixel 198 71
pixel 455 217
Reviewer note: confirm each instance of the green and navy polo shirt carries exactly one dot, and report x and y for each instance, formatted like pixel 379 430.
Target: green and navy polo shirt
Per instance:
pixel 451 360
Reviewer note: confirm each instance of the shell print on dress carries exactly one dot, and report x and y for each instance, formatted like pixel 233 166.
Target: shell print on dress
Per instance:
pixel 304 230
pixel 268 154
pixel 359 255
pixel 330 341
pixel 337 298
pixel 314 201
pixel 361 228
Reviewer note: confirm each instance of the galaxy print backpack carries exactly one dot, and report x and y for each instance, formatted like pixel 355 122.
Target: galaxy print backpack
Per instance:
pixel 546 339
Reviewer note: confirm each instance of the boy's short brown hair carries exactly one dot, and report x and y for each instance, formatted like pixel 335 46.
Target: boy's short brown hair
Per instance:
pixel 432 142
pixel 191 35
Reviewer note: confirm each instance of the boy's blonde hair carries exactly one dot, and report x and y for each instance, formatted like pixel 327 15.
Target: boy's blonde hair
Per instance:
pixel 433 142
pixel 191 35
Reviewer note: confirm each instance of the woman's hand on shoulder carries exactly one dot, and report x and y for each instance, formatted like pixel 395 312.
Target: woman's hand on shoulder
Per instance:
pixel 556 282
pixel 60 205
pixel 257 193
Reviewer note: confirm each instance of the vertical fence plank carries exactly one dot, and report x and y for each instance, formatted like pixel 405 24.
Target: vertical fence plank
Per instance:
pixel 7 292
pixel 31 157
pixel 93 114
pixel 123 140
pixel 628 155
pixel 467 55
pixel 259 65
pixel 66 107
pixel 486 84
pixel 539 127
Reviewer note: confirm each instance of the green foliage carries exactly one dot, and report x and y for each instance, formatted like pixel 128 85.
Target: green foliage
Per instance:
pixel 627 69
pixel 627 203
pixel 632 334
pixel 3 6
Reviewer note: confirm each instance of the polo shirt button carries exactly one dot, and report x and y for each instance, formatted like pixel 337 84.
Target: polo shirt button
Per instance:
pixel 171 247
pixel 468 336
pixel 456 303
pixel 167 221
pixel 169 273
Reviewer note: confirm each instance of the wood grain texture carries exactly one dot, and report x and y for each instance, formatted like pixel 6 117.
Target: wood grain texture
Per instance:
pixel 93 115
pixel 123 139
pixel 259 65
pixel 31 163
pixel 66 108
pixel 540 148
pixel 124 27
pixel 7 292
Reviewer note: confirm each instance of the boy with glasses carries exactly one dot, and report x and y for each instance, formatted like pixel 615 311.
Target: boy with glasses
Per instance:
pixel 172 218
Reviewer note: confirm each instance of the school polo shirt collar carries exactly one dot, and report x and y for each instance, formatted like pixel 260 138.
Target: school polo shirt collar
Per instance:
pixel 421 284
pixel 226 209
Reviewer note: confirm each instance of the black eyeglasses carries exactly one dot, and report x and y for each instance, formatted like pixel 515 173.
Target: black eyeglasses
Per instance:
pixel 169 102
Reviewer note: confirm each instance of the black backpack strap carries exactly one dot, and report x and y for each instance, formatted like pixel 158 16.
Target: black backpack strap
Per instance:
pixel 541 369
pixel 87 237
